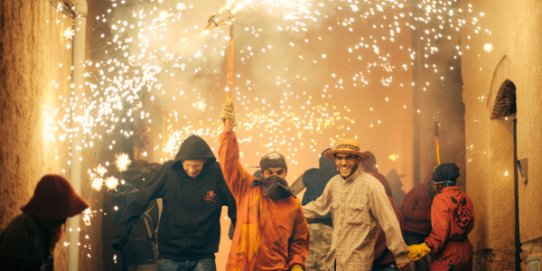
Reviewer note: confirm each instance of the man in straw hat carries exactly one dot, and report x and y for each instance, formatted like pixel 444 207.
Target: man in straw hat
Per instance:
pixel 271 232
pixel 359 205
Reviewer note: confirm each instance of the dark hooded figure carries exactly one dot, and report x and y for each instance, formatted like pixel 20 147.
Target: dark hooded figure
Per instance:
pixel 314 180
pixel 193 191
pixel 28 241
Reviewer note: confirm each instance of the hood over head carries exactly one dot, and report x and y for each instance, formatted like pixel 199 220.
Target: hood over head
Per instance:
pixel 54 199
pixel 193 148
pixel 326 163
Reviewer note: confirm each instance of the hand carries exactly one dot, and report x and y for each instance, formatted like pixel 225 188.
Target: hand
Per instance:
pixel 401 266
pixel 228 113
pixel 297 267
pixel 418 251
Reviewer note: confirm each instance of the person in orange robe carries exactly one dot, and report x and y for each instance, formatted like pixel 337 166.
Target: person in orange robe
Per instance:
pixel 271 232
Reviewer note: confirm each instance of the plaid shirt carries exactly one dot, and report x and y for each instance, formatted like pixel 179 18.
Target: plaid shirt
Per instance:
pixel 358 205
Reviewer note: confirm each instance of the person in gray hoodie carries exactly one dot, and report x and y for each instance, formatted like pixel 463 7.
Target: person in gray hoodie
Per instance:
pixel 193 192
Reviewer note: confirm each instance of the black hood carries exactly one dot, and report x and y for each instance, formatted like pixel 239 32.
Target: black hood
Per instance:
pixel 194 147
pixel 326 163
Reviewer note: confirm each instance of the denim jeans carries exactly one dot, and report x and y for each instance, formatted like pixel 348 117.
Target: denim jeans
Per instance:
pixel 207 264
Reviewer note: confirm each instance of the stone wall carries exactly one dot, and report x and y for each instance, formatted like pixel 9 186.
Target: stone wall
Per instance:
pixel 34 71
pixel 516 37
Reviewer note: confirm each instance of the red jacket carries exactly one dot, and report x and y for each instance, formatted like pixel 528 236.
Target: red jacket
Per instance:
pixel 416 210
pixel 452 218
pixel 269 234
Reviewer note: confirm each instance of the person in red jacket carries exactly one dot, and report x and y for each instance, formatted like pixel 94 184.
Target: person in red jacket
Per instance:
pixel 271 232
pixel 452 218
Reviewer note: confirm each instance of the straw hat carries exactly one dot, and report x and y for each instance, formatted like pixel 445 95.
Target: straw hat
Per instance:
pixel 348 146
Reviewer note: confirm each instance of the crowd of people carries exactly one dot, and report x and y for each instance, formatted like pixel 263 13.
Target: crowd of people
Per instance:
pixel 347 219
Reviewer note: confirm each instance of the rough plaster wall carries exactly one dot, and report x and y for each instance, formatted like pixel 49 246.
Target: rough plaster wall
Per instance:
pixel 516 55
pixel 529 114
pixel 32 44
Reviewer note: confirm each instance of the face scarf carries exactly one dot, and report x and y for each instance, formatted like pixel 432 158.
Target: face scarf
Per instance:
pixel 275 187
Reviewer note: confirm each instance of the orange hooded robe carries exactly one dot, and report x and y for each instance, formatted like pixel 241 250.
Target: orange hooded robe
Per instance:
pixel 269 234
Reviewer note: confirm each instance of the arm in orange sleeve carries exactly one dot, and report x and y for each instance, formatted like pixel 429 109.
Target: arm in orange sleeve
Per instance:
pixel 298 248
pixel 237 178
pixel 440 221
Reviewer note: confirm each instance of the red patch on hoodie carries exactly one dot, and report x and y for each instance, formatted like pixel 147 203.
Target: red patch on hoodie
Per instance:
pixel 210 196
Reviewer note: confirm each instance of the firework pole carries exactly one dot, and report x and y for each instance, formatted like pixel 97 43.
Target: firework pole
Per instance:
pixel 215 21
pixel 229 76
pixel 437 139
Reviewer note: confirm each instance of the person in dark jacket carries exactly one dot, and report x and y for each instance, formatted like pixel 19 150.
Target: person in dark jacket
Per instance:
pixel 28 241
pixel 314 180
pixel 193 192
pixel 416 218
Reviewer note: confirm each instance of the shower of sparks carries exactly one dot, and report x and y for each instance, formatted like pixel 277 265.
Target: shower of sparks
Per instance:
pixel 87 216
pixel 96 176
pixel 156 76
pixel 111 183
pixel 152 54
pixel 122 161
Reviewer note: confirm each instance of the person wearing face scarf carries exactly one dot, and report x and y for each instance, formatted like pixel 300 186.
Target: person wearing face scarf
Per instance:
pixel 29 240
pixel 271 232
pixel 359 206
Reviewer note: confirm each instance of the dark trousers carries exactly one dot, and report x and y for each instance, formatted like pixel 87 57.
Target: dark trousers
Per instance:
pixel 206 264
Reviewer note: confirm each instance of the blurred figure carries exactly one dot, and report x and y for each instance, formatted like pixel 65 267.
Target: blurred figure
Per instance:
pixel 320 229
pixel 193 191
pixel 139 253
pixel 416 216
pixel 271 231
pixel 383 259
pixel 452 218
pixel 369 165
pixel 29 240
pixel 359 206
pixel 396 185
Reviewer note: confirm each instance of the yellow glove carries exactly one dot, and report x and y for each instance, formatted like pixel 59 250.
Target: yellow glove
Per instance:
pixel 297 267
pixel 418 251
pixel 228 112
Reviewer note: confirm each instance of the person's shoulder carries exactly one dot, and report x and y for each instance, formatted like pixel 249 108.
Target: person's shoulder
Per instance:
pixel 371 181
pixel 213 166
pixel 19 224
pixel 334 180
pixel 168 165
pixel 309 175
pixel 310 171
pixel 294 202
